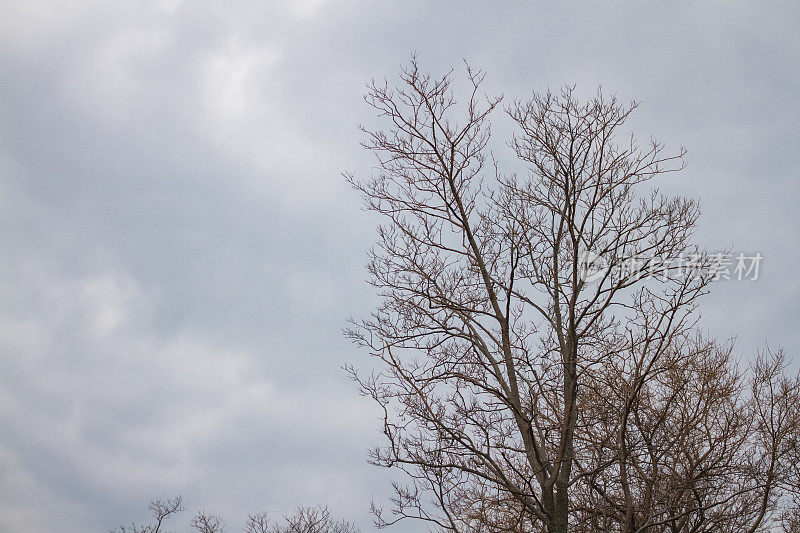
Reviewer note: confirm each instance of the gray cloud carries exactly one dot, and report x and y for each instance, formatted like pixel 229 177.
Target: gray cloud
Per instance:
pixel 180 251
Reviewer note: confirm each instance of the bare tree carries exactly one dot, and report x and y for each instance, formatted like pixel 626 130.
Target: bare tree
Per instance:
pixel 257 523
pixel 207 523
pixel 520 393
pixel 162 510
pixel 313 520
pixel 304 520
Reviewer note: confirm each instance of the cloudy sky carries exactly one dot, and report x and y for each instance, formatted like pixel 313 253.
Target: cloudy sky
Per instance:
pixel 180 252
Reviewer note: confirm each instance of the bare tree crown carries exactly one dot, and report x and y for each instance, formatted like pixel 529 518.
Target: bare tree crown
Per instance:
pixel 518 395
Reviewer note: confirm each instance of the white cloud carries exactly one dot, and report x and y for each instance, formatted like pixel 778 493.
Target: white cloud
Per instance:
pixel 133 415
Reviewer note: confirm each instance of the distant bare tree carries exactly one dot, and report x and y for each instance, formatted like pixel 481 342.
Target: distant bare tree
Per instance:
pixel 207 523
pixel 162 510
pixel 304 520
pixel 313 520
pixel 520 393
pixel 257 523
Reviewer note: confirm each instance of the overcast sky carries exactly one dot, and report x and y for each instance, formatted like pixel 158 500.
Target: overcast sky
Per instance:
pixel 180 252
